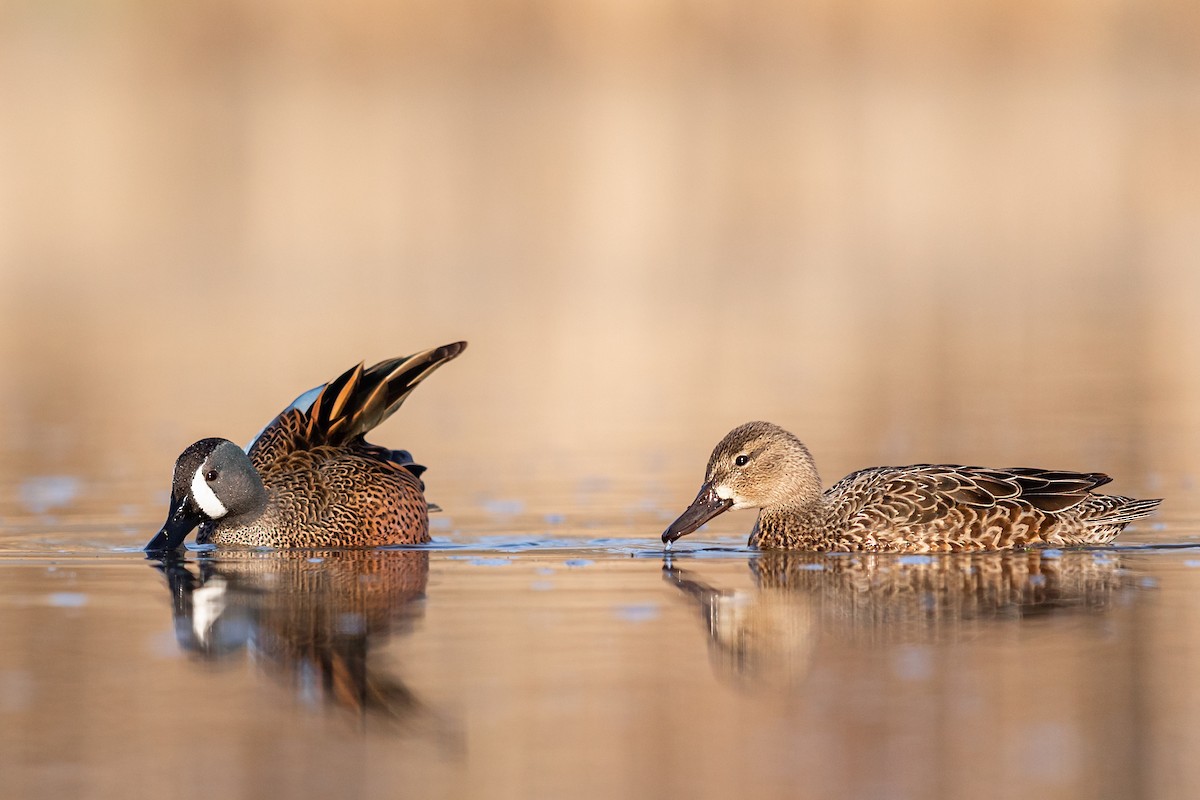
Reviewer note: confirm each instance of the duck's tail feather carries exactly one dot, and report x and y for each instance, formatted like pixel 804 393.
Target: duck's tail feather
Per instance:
pixel 1118 510
pixel 1136 509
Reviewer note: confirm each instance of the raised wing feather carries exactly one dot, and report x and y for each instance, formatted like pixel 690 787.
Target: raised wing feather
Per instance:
pixel 348 407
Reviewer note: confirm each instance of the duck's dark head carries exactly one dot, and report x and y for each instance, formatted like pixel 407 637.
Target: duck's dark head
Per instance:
pixel 214 480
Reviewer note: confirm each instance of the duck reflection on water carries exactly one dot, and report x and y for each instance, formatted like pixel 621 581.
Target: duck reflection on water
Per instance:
pixel 770 632
pixel 310 617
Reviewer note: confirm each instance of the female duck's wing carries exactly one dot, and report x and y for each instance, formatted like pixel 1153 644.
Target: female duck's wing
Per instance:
pixel 923 493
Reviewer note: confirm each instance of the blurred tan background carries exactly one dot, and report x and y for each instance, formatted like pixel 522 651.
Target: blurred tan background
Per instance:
pixel 908 231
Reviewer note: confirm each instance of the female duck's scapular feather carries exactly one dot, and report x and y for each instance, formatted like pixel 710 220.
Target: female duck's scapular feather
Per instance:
pixel 309 478
pixel 918 508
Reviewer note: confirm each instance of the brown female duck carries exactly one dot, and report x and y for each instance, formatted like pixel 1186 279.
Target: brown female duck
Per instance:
pixel 309 478
pixel 924 508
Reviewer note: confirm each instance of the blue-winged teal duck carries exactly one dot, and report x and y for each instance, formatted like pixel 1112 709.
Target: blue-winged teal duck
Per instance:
pixel 309 479
pixel 924 508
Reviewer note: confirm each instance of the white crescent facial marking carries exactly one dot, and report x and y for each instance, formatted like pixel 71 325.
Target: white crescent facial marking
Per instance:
pixel 205 497
pixel 723 492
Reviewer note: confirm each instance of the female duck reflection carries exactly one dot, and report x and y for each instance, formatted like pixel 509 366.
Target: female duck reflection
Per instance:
pixel 311 617
pixel 768 634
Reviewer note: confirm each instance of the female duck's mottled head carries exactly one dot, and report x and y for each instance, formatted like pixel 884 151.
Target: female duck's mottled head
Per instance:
pixel 213 479
pixel 756 465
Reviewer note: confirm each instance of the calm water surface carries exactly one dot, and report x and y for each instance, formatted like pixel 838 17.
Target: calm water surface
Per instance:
pixel 546 658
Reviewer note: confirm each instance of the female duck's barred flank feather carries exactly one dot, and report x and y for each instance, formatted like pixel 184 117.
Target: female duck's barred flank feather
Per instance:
pixel 918 508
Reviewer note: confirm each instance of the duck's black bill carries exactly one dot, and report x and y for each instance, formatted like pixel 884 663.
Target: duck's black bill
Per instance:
pixel 181 520
pixel 706 506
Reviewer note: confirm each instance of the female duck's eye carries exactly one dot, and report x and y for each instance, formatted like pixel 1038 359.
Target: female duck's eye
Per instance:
pixel 742 460
pixel 210 476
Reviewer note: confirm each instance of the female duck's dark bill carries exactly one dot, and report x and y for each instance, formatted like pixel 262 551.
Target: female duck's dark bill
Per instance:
pixel 181 520
pixel 706 506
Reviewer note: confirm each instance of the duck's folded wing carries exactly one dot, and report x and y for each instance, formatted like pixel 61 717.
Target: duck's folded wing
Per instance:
pixel 923 493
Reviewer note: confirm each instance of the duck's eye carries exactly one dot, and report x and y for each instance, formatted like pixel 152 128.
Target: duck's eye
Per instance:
pixel 742 460
pixel 210 476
